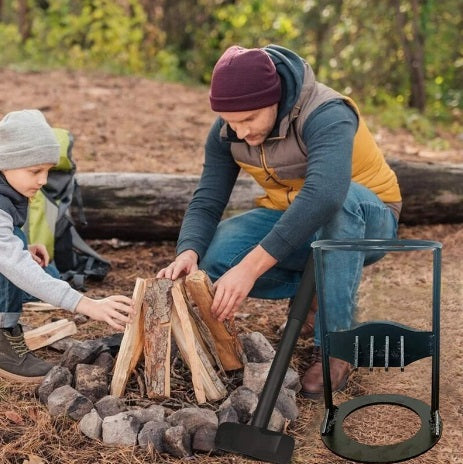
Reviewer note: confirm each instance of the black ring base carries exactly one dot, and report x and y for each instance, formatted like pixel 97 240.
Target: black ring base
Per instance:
pixel 336 440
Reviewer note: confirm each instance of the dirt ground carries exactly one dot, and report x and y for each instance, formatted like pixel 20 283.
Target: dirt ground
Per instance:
pixel 134 124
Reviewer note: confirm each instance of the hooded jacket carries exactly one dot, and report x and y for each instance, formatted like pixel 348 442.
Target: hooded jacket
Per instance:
pixel 319 144
pixel 16 263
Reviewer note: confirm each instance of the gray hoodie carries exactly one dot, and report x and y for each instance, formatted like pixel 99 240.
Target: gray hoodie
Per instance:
pixel 17 265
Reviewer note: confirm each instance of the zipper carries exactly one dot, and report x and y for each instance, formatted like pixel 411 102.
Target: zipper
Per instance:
pixel 270 175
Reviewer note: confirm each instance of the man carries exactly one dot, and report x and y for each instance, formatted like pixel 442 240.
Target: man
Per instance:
pixel 323 177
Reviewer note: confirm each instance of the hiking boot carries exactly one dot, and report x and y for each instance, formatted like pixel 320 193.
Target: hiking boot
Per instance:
pixel 16 361
pixel 308 327
pixel 312 382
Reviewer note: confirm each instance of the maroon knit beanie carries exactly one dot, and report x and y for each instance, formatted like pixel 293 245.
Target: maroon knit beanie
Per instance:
pixel 244 79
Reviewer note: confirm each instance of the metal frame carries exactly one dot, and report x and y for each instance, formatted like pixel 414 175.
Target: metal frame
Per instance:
pixel 380 344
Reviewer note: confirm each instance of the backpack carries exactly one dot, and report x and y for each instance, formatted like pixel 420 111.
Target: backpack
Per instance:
pixel 50 222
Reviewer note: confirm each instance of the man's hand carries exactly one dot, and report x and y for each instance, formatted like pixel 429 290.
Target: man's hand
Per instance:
pixel 231 290
pixel 39 254
pixel 185 263
pixel 234 286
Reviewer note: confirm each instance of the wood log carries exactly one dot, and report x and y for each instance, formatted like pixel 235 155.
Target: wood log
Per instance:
pixel 39 306
pixel 131 345
pixel 431 193
pixel 157 315
pixel 139 206
pixel 135 206
pixel 49 333
pixel 228 346
pixel 206 382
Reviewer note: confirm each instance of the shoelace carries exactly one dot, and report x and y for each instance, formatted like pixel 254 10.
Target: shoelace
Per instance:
pixel 18 344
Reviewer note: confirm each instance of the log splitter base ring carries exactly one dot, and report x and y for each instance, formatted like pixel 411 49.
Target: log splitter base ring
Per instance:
pixel 335 438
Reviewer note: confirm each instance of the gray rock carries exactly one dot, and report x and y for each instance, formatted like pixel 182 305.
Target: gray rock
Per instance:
pixel 105 360
pixel 244 402
pixel 177 441
pixel 154 413
pixel 56 377
pixel 256 347
pixel 152 434
pixel 227 414
pixel 204 438
pixel 82 353
pixel 110 406
pixel 286 404
pixel 255 375
pixel 192 418
pixel 121 429
pixel 91 425
pixel 91 381
pixel 64 344
pixel 67 401
pixel 276 422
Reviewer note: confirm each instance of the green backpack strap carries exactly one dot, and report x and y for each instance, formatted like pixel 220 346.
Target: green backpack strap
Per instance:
pixel 41 220
pixel 44 208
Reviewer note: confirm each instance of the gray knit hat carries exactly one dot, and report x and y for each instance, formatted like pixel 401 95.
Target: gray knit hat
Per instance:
pixel 26 139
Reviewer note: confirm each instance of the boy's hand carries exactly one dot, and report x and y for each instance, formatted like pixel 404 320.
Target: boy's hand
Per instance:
pixel 116 310
pixel 39 254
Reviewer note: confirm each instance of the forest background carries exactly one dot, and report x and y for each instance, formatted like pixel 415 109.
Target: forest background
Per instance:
pixel 402 59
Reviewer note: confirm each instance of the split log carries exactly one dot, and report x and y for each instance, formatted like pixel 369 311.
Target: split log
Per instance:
pixel 206 382
pixel 185 338
pixel 131 345
pixel 139 206
pixel 49 333
pixel 39 306
pixel 228 346
pixel 157 308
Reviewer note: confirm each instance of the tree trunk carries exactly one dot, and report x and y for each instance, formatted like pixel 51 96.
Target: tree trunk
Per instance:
pixel 24 20
pixel 414 53
pixel 151 206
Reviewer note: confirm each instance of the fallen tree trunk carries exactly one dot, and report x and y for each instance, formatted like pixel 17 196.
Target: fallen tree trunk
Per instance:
pixel 139 206
pixel 431 193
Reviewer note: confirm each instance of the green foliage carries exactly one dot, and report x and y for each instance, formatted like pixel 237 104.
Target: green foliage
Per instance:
pixel 11 44
pixel 355 46
pixel 97 33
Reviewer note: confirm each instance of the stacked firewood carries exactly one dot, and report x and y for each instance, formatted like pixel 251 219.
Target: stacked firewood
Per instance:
pixel 178 310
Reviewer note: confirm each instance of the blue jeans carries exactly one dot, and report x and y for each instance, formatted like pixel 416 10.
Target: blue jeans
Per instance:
pixel 363 215
pixel 12 297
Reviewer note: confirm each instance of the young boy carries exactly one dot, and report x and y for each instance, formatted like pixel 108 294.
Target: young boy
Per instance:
pixel 28 149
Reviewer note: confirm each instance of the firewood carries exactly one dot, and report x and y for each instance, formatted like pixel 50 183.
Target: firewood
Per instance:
pixel 206 382
pixel 228 346
pixel 131 345
pixel 158 309
pixel 202 333
pixel 49 333
pixel 39 306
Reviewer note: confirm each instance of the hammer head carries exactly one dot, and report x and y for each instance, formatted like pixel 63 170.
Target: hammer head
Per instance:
pixel 255 442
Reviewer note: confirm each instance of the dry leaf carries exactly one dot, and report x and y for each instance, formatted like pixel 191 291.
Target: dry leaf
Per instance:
pixel 34 459
pixel 14 417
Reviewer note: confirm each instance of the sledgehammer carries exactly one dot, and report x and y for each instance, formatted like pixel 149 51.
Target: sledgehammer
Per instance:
pixel 255 440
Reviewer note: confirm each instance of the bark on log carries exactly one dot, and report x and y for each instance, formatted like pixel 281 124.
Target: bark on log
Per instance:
pixel 157 313
pixel 431 193
pixel 137 206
